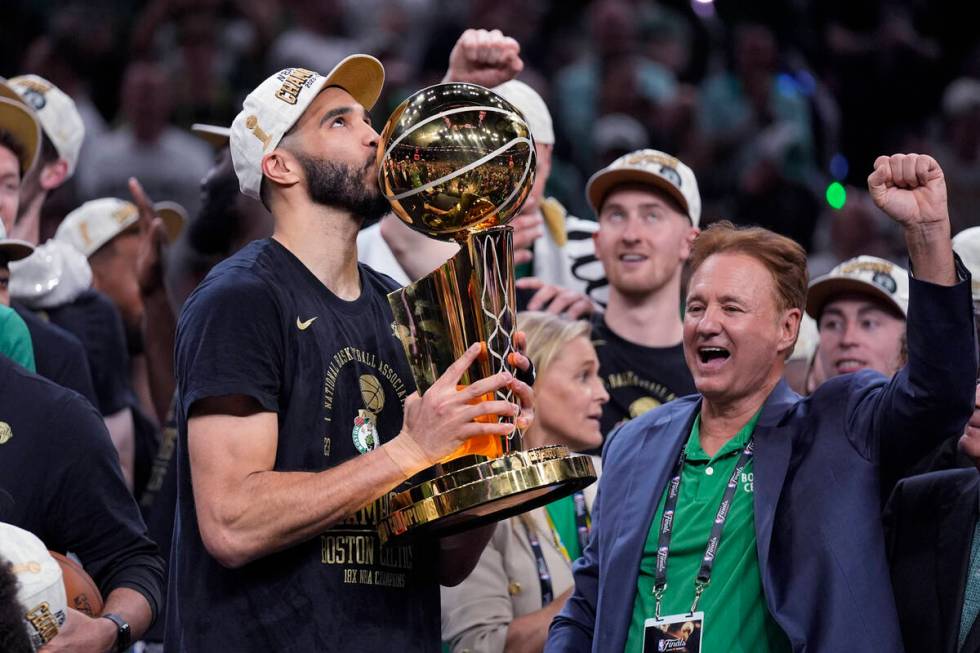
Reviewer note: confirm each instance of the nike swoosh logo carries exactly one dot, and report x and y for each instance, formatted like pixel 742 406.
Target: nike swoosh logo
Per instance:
pixel 303 326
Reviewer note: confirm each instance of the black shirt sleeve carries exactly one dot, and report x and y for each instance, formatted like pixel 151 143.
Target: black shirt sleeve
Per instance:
pixel 230 341
pixel 92 511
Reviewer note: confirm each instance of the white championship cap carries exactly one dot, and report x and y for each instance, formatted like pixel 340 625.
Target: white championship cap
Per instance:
pixel 535 111
pixel 651 167
pixel 967 245
pixel 863 275
pixel 55 274
pixel 277 103
pixel 96 222
pixel 55 111
pixel 215 135
pixel 12 249
pixel 42 590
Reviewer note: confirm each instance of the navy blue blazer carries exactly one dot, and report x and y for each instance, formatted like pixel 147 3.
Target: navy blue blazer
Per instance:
pixel 818 464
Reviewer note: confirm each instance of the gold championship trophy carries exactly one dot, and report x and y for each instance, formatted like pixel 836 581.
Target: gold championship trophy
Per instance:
pixel 456 161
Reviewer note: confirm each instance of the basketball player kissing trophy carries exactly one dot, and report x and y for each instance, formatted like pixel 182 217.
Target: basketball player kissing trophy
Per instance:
pixel 456 161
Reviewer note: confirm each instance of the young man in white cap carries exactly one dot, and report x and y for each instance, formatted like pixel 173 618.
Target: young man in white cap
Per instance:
pixel 55 280
pixel 648 209
pixel 60 479
pixel 61 141
pixel 57 354
pixel 282 354
pixel 860 308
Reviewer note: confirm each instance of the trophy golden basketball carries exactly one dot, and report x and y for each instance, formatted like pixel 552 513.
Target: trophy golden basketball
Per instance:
pixel 456 162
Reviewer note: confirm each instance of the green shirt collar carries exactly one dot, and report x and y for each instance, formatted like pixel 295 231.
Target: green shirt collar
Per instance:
pixel 694 452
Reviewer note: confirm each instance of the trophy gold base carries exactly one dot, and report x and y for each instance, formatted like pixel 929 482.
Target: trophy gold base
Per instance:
pixel 476 490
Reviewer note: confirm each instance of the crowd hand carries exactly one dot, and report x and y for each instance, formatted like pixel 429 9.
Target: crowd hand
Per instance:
pixel 153 235
pixel 82 634
pixel 911 189
pixel 527 229
pixel 556 300
pixel 970 440
pixel 439 421
pixel 487 58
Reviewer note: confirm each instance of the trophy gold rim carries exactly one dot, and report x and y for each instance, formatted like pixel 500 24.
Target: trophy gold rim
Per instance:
pixel 487 491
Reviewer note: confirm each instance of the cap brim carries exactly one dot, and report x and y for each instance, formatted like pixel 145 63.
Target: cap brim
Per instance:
pixel 17 119
pixel 361 75
pixel 603 182
pixel 822 290
pixel 14 250
pixel 174 218
pixel 215 135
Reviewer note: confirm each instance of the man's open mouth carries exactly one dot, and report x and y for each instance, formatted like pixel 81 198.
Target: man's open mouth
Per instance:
pixel 712 354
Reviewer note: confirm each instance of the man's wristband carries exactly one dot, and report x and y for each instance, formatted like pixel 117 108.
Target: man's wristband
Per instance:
pixel 123 634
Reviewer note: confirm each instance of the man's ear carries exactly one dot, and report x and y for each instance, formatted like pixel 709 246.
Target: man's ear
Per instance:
pixel 688 243
pixel 281 167
pixel 53 174
pixel 789 330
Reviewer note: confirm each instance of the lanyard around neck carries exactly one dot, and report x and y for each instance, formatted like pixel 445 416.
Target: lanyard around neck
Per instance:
pixel 714 539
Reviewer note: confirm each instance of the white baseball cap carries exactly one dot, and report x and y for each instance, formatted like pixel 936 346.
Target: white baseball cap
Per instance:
pixel 55 111
pixel 95 223
pixel 651 167
pixel 215 135
pixel 55 274
pixel 42 590
pixel 535 111
pixel 277 103
pixel 864 275
pixel 967 245
pixel 12 249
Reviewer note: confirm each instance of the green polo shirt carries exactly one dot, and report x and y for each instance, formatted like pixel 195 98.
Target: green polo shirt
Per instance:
pixel 736 619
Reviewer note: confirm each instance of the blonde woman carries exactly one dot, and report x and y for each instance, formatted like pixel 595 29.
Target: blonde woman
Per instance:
pixel 524 575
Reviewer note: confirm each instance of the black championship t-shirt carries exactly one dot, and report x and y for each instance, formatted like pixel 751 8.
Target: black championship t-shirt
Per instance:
pixel 637 378
pixel 262 325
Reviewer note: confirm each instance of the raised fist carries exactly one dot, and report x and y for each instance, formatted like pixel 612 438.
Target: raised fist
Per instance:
pixel 487 58
pixel 911 189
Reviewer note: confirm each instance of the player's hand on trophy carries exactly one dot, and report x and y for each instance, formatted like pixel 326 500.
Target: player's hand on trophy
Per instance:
pixel 555 299
pixel 487 58
pixel 911 189
pixel 439 421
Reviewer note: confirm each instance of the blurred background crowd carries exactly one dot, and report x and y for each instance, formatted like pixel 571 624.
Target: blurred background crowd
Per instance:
pixel 779 107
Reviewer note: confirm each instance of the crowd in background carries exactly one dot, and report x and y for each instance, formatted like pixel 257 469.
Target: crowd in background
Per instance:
pixel 770 114
pixel 769 102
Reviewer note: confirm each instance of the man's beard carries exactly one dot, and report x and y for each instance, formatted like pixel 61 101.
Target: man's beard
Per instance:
pixel 342 186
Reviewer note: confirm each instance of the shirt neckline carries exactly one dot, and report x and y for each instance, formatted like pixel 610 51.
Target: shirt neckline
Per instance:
pixel 695 453
pixel 349 306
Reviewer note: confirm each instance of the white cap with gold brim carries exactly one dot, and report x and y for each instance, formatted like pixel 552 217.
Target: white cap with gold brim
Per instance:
pixel 215 135
pixel 277 103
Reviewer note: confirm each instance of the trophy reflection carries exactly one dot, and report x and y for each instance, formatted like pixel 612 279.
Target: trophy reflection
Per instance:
pixel 456 162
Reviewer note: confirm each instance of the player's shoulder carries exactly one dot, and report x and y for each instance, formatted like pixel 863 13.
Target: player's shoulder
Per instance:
pixel 379 281
pixel 247 280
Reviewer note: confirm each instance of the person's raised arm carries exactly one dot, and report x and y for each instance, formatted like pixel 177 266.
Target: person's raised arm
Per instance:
pixel 911 189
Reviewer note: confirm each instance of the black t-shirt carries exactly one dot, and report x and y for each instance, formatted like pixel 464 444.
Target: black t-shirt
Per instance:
pixel 92 318
pixel 637 378
pixel 58 355
pixel 60 479
pixel 262 325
